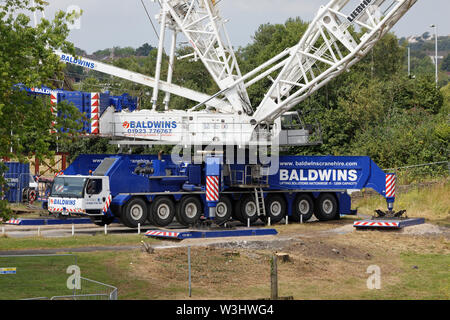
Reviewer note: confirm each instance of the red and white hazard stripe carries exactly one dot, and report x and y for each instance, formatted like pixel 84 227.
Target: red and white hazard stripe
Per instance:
pixel 60 173
pixel 390 185
pixel 14 221
pixel 53 101
pixel 162 234
pixel 212 188
pixel 375 224
pixel 107 204
pixel 53 107
pixel 67 210
pixel 95 112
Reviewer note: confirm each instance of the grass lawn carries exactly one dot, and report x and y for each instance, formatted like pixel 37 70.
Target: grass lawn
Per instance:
pixel 323 265
pixel 71 242
pixel 217 276
pixel 412 268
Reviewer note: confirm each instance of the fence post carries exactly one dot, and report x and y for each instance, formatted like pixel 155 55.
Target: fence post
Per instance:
pixel 273 278
pixel 73 230
pixel 139 228
pixel 106 229
pixel 189 268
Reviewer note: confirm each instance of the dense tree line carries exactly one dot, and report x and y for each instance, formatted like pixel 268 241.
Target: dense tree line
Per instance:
pixel 27 58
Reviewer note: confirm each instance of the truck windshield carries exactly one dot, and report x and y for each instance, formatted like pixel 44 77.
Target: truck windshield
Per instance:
pixel 71 187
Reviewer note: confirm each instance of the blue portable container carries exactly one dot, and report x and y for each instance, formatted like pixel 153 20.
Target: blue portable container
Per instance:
pixel 81 101
pixel 17 179
pixel 122 102
pixel 104 102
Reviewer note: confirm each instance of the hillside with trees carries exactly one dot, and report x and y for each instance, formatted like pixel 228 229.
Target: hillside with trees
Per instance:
pixel 423 53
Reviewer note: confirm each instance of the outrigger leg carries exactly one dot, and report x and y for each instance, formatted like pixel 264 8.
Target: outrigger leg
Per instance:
pixel 390 213
pixel 388 219
pixel 390 199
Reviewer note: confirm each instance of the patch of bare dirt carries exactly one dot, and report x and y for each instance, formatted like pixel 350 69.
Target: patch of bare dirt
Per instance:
pixel 425 229
pixel 330 263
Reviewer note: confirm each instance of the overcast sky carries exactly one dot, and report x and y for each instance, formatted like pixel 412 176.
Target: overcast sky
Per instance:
pixel 108 23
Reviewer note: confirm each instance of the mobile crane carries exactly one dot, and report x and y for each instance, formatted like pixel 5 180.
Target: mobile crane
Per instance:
pixel 339 36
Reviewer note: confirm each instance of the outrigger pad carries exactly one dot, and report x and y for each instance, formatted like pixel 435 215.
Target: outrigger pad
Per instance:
pixel 194 234
pixel 44 222
pixel 387 223
pixel 15 222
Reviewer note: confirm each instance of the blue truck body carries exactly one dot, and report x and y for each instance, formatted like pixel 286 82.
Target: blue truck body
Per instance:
pixel 297 186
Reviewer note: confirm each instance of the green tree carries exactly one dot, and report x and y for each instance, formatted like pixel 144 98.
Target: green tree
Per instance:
pixel 91 85
pixel 26 57
pixel 144 50
pixel 445 66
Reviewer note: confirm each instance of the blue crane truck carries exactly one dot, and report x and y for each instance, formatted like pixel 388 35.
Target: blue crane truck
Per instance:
pixel 141 189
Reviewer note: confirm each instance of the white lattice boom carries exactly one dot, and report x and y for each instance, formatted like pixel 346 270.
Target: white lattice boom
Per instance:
pixel 340 35
pixel 330 46
pixel 201 23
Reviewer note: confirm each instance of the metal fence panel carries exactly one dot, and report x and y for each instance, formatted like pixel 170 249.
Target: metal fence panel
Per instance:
pixel 45 277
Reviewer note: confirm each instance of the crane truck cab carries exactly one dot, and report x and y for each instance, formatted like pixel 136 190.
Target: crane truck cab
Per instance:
pixel 80 195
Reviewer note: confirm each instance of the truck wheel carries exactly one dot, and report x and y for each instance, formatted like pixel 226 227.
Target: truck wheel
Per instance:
pixel 326 207
pixel 135 212
pixel 162 211
pixel 189 210
pixel 25 192
pixel 223 210
pixel 275 208
pixel 304 207
pixel 247 210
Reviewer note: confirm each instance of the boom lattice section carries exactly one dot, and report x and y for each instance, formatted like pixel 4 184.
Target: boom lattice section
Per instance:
pixel 341 34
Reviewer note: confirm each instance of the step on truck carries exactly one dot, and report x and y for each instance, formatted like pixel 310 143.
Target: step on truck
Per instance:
pixel 156 190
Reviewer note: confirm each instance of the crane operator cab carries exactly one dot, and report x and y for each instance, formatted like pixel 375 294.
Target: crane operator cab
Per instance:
pixel 293 131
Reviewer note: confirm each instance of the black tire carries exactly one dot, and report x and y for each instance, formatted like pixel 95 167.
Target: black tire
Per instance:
pixel 134 212
pixel 162 211
pixel 304 207
pixel 247 210
pixel 25 192
pixel 326 207
pixel 224 210
pixel 189 210
pixel 275 208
